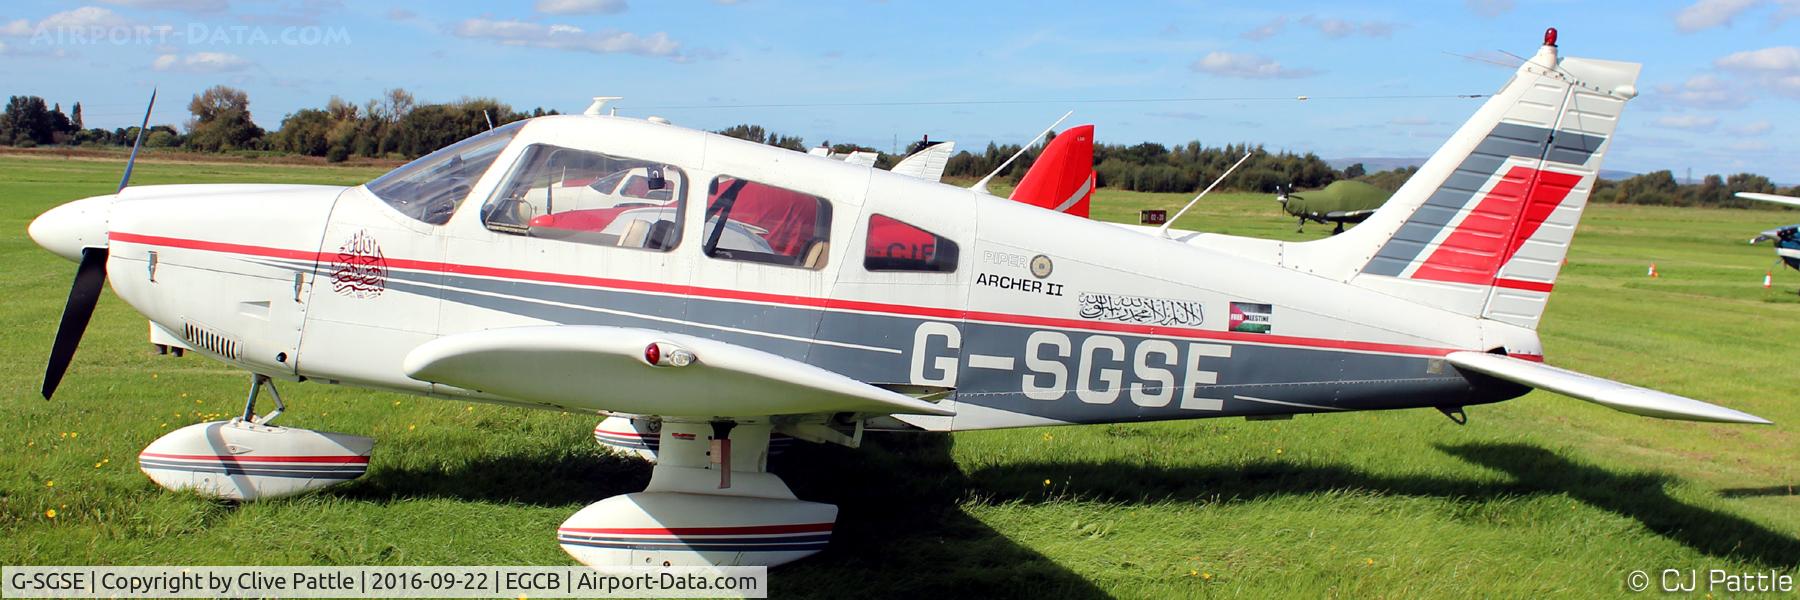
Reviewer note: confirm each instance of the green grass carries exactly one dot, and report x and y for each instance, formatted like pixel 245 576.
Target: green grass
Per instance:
pixel 1538 496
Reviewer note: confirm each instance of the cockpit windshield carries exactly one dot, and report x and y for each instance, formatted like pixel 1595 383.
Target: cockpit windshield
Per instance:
pixel 429 189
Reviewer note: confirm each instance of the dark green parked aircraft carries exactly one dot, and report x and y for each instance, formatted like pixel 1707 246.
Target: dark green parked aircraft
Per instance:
pixel 1344 201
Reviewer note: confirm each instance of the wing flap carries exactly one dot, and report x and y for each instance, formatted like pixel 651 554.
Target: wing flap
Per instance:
pixel 1605 392
pixel 604 368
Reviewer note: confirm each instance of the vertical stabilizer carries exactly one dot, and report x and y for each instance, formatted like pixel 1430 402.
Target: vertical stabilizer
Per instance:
pixel 1062 179
pixel 1483 227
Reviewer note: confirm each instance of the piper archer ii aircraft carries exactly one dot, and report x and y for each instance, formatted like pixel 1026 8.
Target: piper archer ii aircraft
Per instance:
pixel 762 298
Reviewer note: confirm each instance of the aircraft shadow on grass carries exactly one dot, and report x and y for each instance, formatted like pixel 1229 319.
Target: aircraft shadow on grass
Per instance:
pixel 902 530
pixel 1534 471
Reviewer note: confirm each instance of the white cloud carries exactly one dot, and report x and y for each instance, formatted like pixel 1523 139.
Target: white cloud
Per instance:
pixel 1753 128
pixel 82 18
pixel 1338 28
pixel 569 37
pixel 581 7
pixel 1776 68
pixel 1489 8
pixel 1247 66
pixel 1688 122
pixel 195 6
pixel 18 27
pixel 1776 59
pixel 1704 91
pixel 1707 14
pixel 1266 30
pixel 201 62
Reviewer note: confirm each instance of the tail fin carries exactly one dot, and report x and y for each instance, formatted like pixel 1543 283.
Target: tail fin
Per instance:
pixel 1483 227
pixel 1062 179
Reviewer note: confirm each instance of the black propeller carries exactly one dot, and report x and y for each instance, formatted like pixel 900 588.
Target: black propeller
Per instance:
pixel 90 278
pixel 83 295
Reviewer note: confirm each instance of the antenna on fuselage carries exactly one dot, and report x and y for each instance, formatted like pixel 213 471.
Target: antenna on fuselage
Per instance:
pixel 593 110
pixel 981 186
pixel 1164 230
pixel 489 118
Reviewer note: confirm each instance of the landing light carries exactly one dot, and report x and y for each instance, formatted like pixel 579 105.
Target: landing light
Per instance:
pixel 663 354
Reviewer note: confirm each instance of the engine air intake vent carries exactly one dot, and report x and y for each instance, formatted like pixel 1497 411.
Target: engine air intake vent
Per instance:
pixel 209 341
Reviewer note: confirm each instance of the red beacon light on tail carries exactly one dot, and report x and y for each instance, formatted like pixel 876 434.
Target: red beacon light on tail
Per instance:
pixel 1550 37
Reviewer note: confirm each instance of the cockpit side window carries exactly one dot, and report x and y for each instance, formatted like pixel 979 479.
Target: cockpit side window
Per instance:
pixel 767 224
pixel 429 189
pixel 591 198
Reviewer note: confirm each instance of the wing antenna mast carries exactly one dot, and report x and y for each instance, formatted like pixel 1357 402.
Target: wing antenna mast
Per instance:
pixel 1164 230
pixel 982 186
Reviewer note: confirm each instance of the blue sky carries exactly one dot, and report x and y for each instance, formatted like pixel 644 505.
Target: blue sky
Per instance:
pixel 1720 90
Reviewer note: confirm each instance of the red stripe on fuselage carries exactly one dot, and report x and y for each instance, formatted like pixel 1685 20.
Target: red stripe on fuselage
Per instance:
pixel 1499 225
pixel 803 301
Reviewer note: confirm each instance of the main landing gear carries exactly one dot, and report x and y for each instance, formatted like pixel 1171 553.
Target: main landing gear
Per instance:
pixel 711 502
pixel 246 458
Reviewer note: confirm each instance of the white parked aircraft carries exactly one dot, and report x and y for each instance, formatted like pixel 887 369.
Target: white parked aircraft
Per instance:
pixel 778 292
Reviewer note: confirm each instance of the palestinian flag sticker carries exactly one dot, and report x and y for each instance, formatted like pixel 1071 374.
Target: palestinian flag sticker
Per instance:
pixel 1252 318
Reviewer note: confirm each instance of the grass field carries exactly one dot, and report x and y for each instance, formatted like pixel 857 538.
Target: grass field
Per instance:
pixel 1538 496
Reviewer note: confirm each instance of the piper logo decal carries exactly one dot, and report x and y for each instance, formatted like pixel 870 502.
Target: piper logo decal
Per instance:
pixel 1252 318
pixel 359 270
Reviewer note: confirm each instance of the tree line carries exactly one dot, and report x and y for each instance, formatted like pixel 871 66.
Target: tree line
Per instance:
pixel 396 126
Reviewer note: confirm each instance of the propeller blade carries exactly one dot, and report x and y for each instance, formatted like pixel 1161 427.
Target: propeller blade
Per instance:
pixel 83 295
pixel 138 143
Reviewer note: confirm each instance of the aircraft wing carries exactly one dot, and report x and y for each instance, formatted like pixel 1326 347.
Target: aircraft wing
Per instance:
pixel 1605 392
pixel 1778 199
pixel 610 368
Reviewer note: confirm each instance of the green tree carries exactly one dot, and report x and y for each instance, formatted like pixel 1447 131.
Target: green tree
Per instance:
pixel 222 120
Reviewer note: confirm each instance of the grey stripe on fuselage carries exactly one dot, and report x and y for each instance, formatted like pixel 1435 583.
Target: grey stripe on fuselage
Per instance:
pixel 1505 141
pixel 1322 377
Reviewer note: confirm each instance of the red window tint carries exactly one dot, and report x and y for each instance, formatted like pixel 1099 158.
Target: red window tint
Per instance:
pixel 894 245
pixel 769 224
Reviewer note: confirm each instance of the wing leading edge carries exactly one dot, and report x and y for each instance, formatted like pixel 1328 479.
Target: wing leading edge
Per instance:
pixel 606 368
pixel 1605 392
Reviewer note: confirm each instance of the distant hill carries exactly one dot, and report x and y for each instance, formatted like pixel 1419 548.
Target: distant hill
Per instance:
pixel 1381 163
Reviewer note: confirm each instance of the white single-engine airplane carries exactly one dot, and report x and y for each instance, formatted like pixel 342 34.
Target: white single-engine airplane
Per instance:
pixel 772 291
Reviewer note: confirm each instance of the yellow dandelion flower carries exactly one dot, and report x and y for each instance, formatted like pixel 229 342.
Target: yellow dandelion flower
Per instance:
pixel 1048 437
pixel 1369 562
pixel 1278 451
pixel 184 394
pixel 1206 576
pixel 471 409
pixel 411 427
pixel 51 483
pixel 1193 572
pixel 96 465
pixel 50 514
pixel 1046 482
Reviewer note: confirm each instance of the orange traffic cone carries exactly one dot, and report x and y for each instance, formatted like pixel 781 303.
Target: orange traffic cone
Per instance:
pixel 1768 279
pixel 1652 272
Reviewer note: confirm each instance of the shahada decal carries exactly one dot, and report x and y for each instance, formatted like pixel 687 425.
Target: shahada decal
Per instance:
pixel 1252 318
pixel 359 270
pixel 1138 309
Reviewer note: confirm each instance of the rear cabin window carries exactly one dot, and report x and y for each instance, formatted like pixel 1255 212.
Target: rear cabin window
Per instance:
pixel 895 245
pixel 766 224
pixel 591 198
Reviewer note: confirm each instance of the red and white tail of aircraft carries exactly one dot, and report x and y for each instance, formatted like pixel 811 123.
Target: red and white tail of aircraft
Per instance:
pixel 1062 178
